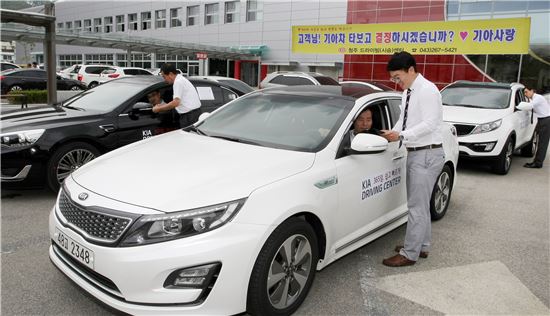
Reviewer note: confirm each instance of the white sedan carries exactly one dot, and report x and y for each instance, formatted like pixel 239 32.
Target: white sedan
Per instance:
pixel 237 213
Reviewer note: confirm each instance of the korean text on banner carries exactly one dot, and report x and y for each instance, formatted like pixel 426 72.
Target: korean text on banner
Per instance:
pixel 495 36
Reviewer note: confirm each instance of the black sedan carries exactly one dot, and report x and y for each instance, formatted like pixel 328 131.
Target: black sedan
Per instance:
pixel 44 145
pixel 34 79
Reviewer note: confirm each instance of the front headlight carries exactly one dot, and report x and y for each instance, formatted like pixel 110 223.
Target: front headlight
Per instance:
pixel 158 228
pixel 487 127
pixel 23 138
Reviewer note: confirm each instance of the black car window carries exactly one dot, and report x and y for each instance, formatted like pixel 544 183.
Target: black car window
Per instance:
pixel 107 97
pixel 95 69
pixel 519 97
pixel 8 66
pixel 238 85
pixel 291 81
pixel 143 72
pixel 130 71
pixel 326 81
pixel 33 74
pixel 395 110
pixel 228 95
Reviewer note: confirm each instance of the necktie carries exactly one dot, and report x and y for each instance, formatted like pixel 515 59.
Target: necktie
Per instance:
pixel 405 113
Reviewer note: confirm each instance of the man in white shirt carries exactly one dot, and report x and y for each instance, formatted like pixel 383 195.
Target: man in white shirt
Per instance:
pixel 186 100
pixel 541 108
pixel 418 130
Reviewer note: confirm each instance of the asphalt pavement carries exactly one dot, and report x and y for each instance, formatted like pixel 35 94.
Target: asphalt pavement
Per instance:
pixel 490 255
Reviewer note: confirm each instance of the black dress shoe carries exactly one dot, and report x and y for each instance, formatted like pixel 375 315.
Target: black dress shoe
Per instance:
pixel 532 165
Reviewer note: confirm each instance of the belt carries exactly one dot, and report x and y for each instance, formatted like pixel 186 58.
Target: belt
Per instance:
pixel 424 147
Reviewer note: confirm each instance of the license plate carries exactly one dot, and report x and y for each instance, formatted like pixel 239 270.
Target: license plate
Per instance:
pixel 74 249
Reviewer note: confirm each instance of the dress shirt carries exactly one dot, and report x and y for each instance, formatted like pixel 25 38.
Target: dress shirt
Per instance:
pixel 424 115
pixel 540 106
pixel 188 95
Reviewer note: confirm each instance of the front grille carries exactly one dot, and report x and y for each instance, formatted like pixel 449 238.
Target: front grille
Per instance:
pixel 463 129
pixel 94 225
pixel 88 274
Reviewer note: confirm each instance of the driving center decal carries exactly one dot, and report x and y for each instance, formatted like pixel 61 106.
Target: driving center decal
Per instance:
pixel 380 183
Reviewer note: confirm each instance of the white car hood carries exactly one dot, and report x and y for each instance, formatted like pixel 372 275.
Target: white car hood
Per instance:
pixel 179 170
pixel 460 114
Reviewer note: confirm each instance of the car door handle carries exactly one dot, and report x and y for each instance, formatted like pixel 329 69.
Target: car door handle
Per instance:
pixel 398 157
pixel 107 127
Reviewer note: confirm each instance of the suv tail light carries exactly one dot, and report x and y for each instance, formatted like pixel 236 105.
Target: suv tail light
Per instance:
pixel 113 75
pixel 79 77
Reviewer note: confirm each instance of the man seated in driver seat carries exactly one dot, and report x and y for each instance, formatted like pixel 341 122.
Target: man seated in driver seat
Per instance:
pixel 363 124
pixel 167 120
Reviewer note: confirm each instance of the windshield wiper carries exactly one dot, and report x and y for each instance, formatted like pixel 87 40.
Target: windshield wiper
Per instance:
pixel 470 106
pixel 195 129
pixel 237 140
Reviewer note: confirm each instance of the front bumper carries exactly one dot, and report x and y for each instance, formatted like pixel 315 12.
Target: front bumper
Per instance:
pixel 131 279
pixel 483 146
pixel 23 167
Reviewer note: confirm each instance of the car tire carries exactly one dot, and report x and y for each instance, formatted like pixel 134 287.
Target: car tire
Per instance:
pixel 277 286
pixel 441 194
pixel 504 160
pixel 92 85
pixel 66 159
pixel 530 149
pixel 16 87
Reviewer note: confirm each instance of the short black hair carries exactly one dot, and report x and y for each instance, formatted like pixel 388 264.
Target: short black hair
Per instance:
pixel 168 68
pixel 401 61
pixel 529 87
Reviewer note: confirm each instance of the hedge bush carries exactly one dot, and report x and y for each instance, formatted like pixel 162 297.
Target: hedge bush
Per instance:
pixel 33 96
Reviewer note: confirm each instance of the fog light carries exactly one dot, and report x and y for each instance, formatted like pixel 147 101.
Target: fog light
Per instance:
pixel 194 277
pixel 482 147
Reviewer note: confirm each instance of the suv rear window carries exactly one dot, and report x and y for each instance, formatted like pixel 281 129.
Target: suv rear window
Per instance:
pixel 326 81
pixel 291 81
pixel 95 70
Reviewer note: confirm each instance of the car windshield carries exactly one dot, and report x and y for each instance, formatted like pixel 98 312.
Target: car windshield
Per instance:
pixel 238 85
pixel 476 97
pixel 301 123
pixel 104 98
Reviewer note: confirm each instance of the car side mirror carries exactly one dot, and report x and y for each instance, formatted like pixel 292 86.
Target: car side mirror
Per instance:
pixel 524 106
pixel 141 108
pixel 367 144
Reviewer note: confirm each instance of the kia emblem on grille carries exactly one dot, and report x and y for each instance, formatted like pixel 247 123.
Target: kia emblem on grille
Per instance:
pixel 82 196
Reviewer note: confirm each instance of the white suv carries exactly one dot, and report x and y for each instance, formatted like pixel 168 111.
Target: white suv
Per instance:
pixel 119 72
pixel 296 78
pixel 492 121
pixel 89 74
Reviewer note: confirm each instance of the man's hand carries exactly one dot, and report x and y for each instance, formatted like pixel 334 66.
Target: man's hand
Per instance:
pixel 391 136
pixel 156 108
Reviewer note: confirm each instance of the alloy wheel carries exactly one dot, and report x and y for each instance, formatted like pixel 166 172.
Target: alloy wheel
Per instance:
pixel 443 190
pixel 289 271
pixel 71 161
pixel 509 153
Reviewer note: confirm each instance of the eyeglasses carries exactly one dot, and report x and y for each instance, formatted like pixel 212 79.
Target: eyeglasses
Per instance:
pixel 395 79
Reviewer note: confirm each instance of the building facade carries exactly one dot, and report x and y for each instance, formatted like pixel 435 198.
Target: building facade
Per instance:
pixel 268 24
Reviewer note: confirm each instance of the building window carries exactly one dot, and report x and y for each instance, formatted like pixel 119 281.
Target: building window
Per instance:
pixel 253 10
pixel 231 12
pixel 77 26
pixel 60 25
pixel 69 26
pixel 211 13
pixel 175 19
pixel 105 59
pixel 108 21
pixel 97 25
pixel 160 19
pixel 132 22
pixel 69 60
pixel 192 15
pixel 88 25
pixel 145 20
pixel 120 23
